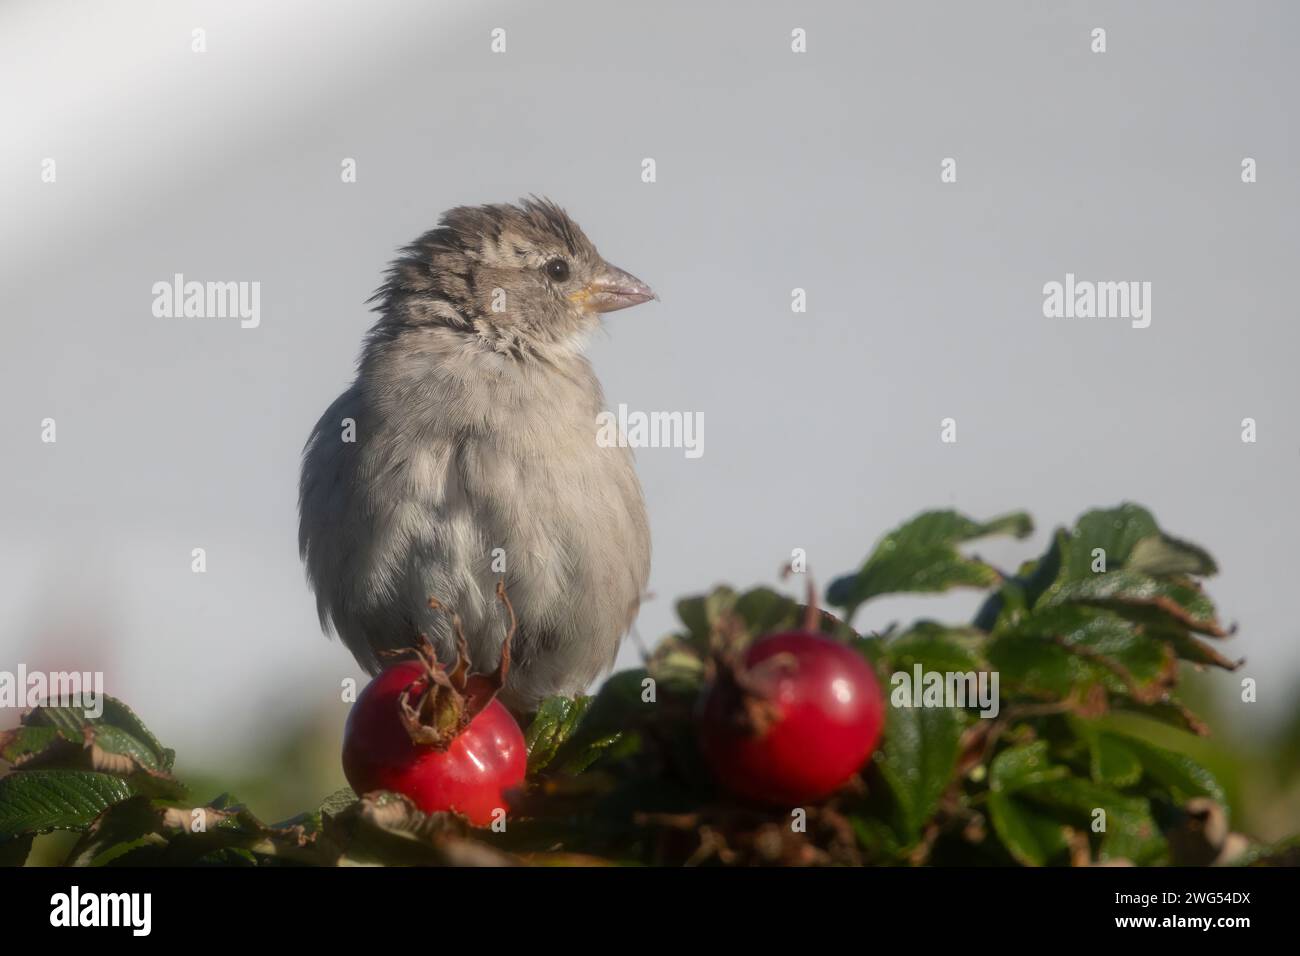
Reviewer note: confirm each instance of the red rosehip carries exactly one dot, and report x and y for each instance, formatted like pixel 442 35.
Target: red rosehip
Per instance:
pixel 437 736
pixel 469 775
pixel 793 721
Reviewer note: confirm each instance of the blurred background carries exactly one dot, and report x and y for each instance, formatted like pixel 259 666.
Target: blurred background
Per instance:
pixel 775 170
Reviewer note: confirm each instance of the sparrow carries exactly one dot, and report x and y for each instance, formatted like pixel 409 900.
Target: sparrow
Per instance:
pixel 465 453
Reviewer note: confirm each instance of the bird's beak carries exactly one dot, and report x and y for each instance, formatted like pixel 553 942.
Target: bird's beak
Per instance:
pixel 612 290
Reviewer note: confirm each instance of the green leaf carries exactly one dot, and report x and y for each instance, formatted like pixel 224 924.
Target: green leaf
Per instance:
pixel 1031 836
pixel 693 613
pixel 570 735
pixel 120 715
pixel 611 725
pixel 119 829
pixel 1177 774
pixel 1033 801
pixel 67 721
pixel 1111 760
pixel 1057 649
pixel 555 722
pixel 23 743
pixel 1179 599
pixel 921 556
pixel 1187 646
pixel 917 759
pixel 1031 666
pixel 935 647
pixel 679 662
pixel 116 741
pixel 1131 540
pixel 1021 592
pixel 36 801
pixel 766 611
pixel 1018 767
pixel 878 838
pixel 1130 833
pixel 1120 559
pixel 701 615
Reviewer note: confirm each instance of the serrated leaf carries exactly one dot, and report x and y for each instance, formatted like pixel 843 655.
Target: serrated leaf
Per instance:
pixel 935 647
pixel 36 801
pixel 118 714
pixel 555 722
pixel 740 617
pixel 1032 837
pixel 1110 760
pixel 119 829
pixel 879 839
pixel 23 743
pixel 701 614
pixel 1031 666
pixel 1131 539
pixel 120 752
pixel 1178 774
pixel 1059 649
pixel 694 615
pixel 1022 591
pixel 766 611
pixel 1018 767
pixel 1128 591
pixel 917 760
pixel 1169 710
pixel 1187 646
pixel 68 721
pixel 609 726
pixel 921 557
pixel 1130 833
pixel 1146 575
pixel 116 741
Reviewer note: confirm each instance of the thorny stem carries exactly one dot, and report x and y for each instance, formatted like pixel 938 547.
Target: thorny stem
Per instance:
pixel 812 614
pixel 999 725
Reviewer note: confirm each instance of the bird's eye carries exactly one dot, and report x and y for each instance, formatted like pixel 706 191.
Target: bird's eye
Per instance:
pixel 558 270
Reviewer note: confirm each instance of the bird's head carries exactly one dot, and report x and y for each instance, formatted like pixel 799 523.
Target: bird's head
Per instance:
pixel 523 276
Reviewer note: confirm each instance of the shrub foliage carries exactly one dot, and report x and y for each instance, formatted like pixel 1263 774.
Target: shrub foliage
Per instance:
pixel 1087 641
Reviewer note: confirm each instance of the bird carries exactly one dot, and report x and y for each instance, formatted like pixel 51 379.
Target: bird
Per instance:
pixel 465 454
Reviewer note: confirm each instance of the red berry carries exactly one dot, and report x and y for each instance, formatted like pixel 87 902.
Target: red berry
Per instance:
pixel 438 736
pixel 793 721
pixel 470 775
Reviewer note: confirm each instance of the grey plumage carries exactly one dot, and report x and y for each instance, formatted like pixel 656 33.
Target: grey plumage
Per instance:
pixel 475 430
